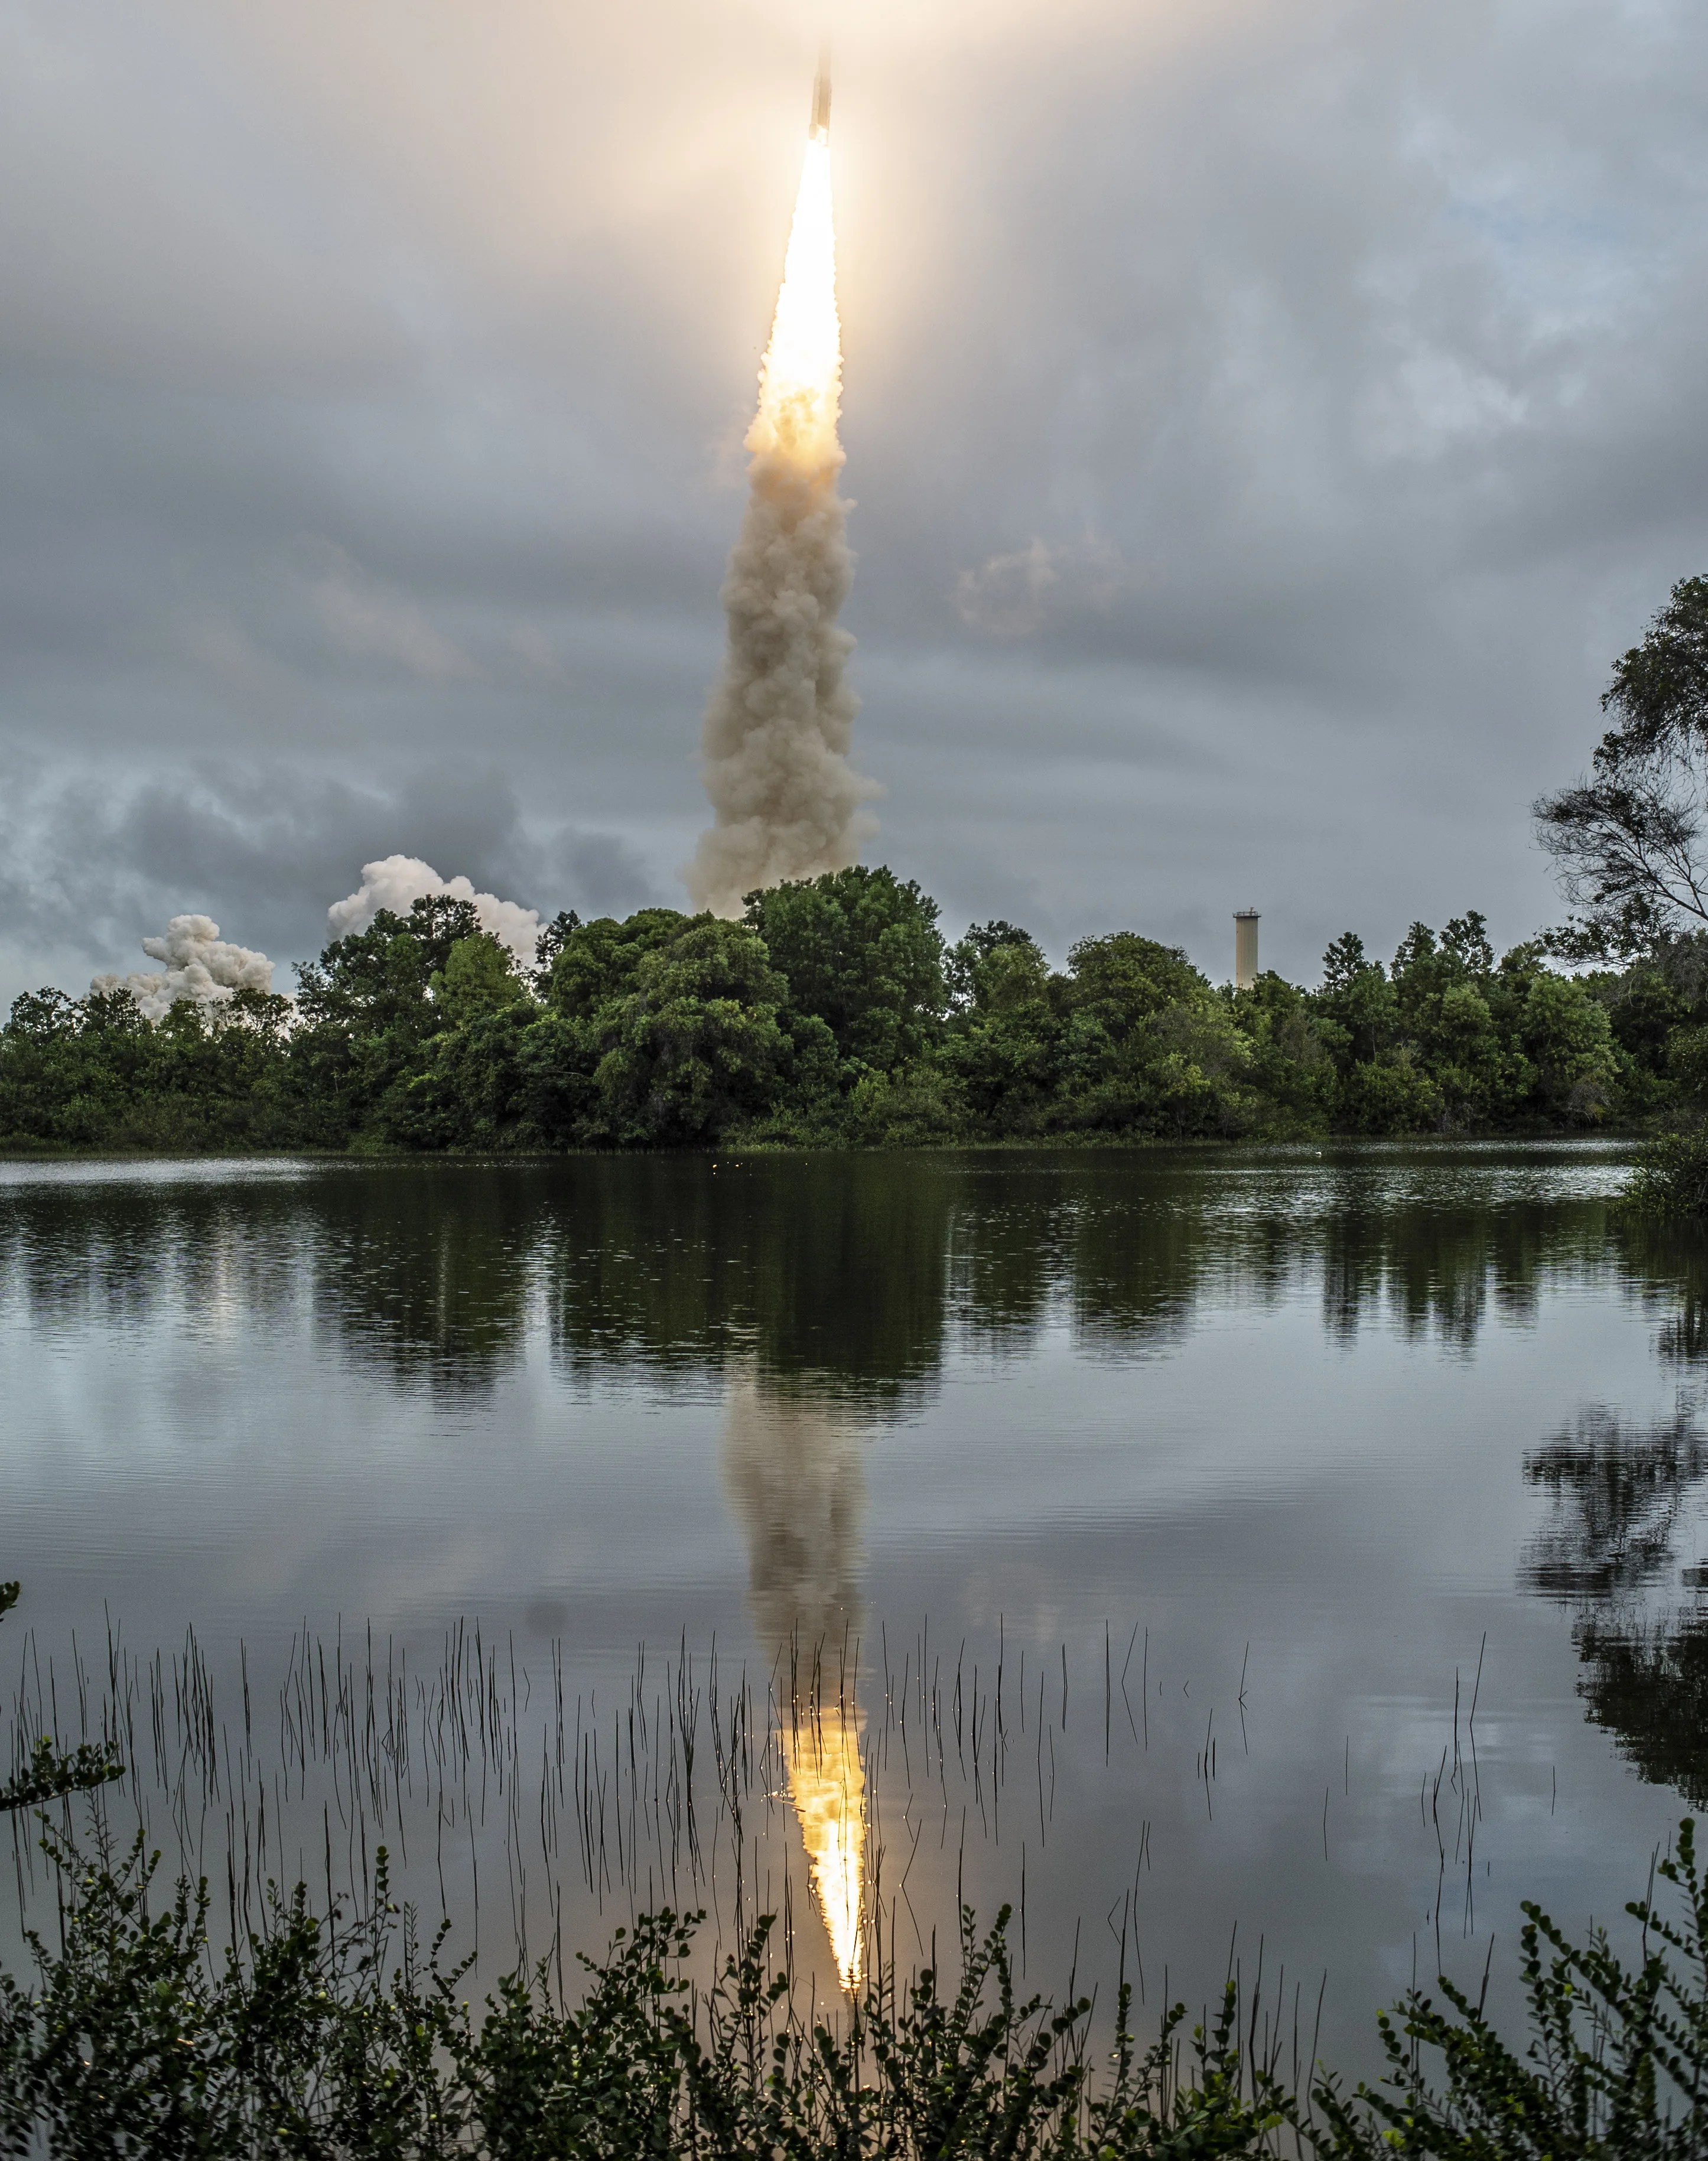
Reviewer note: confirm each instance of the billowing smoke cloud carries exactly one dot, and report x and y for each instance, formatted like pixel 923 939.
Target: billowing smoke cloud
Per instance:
pixel 788 804
pixel 398 881
pixel 199 966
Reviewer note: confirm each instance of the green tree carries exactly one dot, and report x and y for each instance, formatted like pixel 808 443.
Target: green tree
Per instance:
pixel 999 1054
pixel 478 977
pixel 1443 1014
pixel 1627 839
pixel 697 1045
pixel 1146 1045
pixel 859 951
pixel 365 1012
pixel 1568 1040
pixel 1391 1094
pixel 549 945
pixel 1355 1002
pixel 967 962
pixel 598 961
pixel 1290 1066
pixel 92 1073
pixel 472 1086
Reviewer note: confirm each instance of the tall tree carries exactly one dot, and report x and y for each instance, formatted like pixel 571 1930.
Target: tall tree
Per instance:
pixel 860 952
pixel 1627 841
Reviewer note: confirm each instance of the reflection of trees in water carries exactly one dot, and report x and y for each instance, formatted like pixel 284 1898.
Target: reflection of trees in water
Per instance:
pixel 423 1270
pixel 128 1252
pixel 808 1264
pixel 1650 1688
pixel 795 1473
pixel 1667 1264
pixel 427 1274
pixel 1067 1242
pixel 1439 1268
pixel 864 1268
pixel 1619 1494
pixel 1618 1491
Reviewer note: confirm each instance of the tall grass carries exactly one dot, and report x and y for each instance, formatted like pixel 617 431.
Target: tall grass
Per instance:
pixel 202 2008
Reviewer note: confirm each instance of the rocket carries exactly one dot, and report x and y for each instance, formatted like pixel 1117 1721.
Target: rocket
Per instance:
pixel 820 129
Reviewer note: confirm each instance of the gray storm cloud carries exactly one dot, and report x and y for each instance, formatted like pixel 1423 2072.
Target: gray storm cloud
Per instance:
pixel 198 965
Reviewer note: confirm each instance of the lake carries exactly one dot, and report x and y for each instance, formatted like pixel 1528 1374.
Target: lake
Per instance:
pixel 1289 1555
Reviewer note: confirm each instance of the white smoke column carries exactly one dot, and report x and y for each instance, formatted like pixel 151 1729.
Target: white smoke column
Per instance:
pixel 397 882
pixel 200 966
pixel 788 804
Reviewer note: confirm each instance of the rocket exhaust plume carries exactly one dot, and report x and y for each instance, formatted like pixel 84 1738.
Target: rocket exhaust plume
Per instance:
pixel 787 803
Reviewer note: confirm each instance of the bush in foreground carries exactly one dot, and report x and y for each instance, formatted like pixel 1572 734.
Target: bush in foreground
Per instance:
pixel 321 2036
pixel 1671 1181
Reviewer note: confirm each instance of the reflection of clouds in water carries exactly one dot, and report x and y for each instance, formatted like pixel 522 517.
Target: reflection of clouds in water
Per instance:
pixel 795 1472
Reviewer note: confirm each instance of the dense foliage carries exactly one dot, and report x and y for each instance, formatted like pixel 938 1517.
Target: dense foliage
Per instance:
pixel 1671 1181
pixel 836 1015
pixel 319 2034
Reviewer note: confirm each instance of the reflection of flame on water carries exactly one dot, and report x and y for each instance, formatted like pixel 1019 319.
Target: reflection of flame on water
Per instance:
pixel 795 1474
pixel 827 1785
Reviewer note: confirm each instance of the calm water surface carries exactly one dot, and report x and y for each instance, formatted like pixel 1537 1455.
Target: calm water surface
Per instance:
pixel 1157 1521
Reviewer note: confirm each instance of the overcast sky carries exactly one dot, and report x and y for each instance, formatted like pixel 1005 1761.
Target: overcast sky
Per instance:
pixel 1266 419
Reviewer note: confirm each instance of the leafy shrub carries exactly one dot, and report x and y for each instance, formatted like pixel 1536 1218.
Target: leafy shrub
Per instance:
pixel 1671 1176
pixel 1617 2063
pixel 337 2035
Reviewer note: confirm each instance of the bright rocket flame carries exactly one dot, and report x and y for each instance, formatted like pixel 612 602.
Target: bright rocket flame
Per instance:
pixel 827 1783
pixel 800 382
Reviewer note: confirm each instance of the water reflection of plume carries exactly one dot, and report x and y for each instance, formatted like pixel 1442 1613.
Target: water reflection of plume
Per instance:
pixel 795 1472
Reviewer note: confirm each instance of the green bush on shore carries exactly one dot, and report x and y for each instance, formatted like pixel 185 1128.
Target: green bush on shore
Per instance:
pixel 323 2035
pixel 1670 1181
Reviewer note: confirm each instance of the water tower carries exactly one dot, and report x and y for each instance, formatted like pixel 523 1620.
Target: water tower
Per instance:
pixel 1245 948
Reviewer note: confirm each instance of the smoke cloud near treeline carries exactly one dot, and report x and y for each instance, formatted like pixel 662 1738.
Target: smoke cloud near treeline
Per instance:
pixel 199 966
pixel 203 968
pixel 397 882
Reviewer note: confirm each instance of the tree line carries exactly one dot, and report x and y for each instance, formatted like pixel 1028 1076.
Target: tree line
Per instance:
pixel 835 1013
